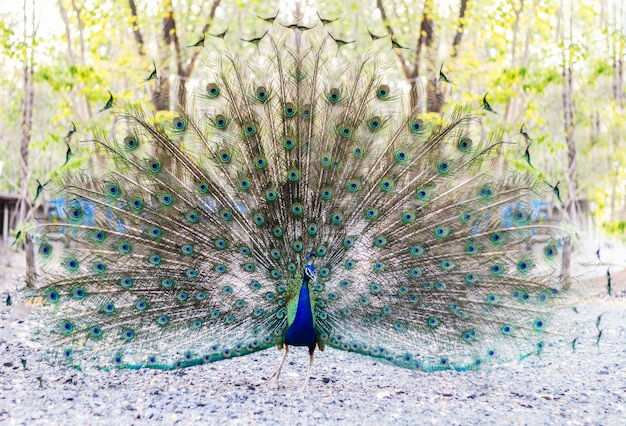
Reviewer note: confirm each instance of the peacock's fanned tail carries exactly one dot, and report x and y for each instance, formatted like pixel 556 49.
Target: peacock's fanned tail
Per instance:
pixel 185 241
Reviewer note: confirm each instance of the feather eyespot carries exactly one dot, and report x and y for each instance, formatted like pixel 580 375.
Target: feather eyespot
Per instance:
pixel 334 95
pixel 130 142
pixel 221 122
pixel 212 90
pixel 416 126
pixel 289 110
pixel 382 92
pixel 374 123
pixel 179 124
pixel 261 94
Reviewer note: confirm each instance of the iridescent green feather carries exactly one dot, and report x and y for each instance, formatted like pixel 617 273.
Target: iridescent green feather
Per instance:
pixel 188 245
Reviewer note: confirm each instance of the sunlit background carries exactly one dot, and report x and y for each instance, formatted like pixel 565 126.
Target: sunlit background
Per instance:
pixel 555 66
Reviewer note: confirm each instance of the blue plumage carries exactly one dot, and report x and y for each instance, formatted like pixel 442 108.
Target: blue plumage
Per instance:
pixel 301 331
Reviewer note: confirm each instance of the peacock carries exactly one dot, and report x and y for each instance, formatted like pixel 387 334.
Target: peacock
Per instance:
pixel 297 200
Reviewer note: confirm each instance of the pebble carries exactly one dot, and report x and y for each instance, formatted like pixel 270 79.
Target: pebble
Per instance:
pixel 586 386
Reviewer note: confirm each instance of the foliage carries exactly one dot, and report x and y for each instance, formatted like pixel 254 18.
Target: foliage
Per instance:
pixel 512 49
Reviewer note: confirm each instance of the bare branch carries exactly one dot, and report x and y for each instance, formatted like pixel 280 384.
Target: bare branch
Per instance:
pixel 205 29
pixel 383 14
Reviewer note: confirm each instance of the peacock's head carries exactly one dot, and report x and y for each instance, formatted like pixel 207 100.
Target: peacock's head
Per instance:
pixel 309 269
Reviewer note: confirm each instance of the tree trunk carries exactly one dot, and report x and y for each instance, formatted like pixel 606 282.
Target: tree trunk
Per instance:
pixel 434 96
pixel 26 133
pixel 571 202
pixel 458 36
pixel 509 110
pixel 81 32
pixel 29 254
pixel 68 34
pixel 85 106
pixel 136 32
pixel 518 11
pixel 623 215
pixel 569 127
pixel 613 212
pixel 566 265
pixel 617 51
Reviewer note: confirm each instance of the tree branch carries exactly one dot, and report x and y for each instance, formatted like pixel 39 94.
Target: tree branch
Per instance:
pixel 205 29
pixel 383 14
pixel 81 31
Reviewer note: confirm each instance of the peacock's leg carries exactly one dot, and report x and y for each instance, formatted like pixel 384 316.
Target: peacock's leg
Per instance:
pixel 280 366
pixel 308 372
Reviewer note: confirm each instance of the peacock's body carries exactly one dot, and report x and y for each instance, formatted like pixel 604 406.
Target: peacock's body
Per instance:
pixel 298 201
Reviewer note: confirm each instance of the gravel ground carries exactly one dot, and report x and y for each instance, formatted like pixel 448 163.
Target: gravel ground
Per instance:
pixel 586 386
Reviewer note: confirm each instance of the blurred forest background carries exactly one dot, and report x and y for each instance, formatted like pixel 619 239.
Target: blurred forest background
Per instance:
pixel 556 66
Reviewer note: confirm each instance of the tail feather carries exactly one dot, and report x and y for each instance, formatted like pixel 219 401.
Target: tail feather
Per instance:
pixel 186 244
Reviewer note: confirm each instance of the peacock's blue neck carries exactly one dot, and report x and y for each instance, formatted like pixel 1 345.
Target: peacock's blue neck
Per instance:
pixel 301 331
